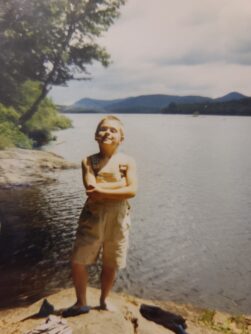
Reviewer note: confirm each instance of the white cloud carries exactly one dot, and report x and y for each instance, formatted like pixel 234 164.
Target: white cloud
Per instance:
pixel 172 47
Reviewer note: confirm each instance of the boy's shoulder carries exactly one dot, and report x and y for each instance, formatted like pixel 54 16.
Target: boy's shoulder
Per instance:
pixel 119 155
pixel 123 157
pixel 120 158
pixel 89 158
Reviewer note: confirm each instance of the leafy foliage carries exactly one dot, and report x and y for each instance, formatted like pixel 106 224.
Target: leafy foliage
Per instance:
pixel 51 42
pixel 38 129
pixel 8 114
pixel 47 116
pixel 11 136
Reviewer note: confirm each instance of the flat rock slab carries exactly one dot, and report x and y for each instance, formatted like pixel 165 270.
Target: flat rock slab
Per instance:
pixel 123 316
pixel 19 167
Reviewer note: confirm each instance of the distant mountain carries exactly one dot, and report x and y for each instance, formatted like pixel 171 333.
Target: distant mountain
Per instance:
pixel 233 96
pixel 143 104
pixel 152 103
pixel 94 104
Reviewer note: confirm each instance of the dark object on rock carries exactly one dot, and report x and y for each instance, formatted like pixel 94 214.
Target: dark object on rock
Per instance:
pixel 172 321
pixel 45 309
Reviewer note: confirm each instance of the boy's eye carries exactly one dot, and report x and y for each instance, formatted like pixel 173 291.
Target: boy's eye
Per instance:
pixel 102 129
pixel 112 130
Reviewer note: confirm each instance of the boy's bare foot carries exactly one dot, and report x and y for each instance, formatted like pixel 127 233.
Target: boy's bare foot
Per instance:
pixel 103 306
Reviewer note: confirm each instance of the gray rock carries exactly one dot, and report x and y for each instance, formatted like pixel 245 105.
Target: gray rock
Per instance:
pixel 19 167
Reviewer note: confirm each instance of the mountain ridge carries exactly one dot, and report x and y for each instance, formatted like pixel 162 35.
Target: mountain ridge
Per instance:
pixel 152 103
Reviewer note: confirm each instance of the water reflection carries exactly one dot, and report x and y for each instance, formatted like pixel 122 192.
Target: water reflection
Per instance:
pixel 37 229
pixel 34 245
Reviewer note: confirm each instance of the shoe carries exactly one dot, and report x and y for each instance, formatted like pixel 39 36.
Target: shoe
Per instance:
pixel 75 310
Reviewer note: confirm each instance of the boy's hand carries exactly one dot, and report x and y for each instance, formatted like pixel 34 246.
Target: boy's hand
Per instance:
pixel 93 192
pixel 90 187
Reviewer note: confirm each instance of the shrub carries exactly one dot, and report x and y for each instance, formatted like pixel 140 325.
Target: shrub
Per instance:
pixel 38 129
pixel 8 114
pixel 47 116
pixel 11 136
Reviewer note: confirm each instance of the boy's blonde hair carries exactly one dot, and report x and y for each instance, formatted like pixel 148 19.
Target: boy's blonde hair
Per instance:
pixel 112 118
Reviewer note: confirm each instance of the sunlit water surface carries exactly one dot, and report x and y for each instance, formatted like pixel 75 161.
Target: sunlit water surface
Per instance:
pixel 191 220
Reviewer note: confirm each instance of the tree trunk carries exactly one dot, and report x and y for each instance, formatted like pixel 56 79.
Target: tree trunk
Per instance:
pixel 33 109
pixel 45 90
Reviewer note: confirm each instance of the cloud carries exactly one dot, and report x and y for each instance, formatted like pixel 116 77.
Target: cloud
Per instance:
pixel 172 47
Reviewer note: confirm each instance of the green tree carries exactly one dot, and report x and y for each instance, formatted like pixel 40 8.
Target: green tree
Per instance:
pixel 38 128
pixel 51 42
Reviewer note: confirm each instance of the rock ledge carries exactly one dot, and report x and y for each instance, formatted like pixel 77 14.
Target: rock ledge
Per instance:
pixel 19 167
pixel 122 318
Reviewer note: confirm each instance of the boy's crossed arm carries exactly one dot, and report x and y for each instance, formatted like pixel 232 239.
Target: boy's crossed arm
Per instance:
pixel 90 182
pixel 110 190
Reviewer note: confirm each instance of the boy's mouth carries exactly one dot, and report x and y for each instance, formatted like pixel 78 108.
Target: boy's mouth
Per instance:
pixel 107 139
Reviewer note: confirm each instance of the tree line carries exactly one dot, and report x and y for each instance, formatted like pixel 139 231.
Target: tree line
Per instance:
pixel 240 107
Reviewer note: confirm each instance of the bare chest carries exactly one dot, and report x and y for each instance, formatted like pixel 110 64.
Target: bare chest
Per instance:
pixel 109 170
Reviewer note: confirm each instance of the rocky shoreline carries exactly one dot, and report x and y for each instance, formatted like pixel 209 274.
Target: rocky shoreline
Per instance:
pixel 19 167
pixel 123 317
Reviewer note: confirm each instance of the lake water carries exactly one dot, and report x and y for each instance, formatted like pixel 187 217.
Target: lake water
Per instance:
pixel 191 220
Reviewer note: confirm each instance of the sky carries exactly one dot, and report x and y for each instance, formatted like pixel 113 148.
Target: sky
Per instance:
pixel 174 47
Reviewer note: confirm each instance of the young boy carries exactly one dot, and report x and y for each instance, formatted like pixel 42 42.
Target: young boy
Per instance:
pixel 110 179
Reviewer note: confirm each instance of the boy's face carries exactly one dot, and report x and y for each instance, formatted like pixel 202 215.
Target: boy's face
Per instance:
pixel 109 133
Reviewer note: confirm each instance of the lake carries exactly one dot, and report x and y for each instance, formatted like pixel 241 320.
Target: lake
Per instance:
pixel 190 237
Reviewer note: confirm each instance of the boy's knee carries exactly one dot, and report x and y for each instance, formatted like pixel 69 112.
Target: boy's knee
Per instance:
pixel 77 265
pixel 109 268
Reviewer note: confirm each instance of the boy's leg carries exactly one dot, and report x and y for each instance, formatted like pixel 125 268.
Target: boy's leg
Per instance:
pixel 108 275
pixel 80 280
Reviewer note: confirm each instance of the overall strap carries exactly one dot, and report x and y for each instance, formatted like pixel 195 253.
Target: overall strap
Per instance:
pixel 94 163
